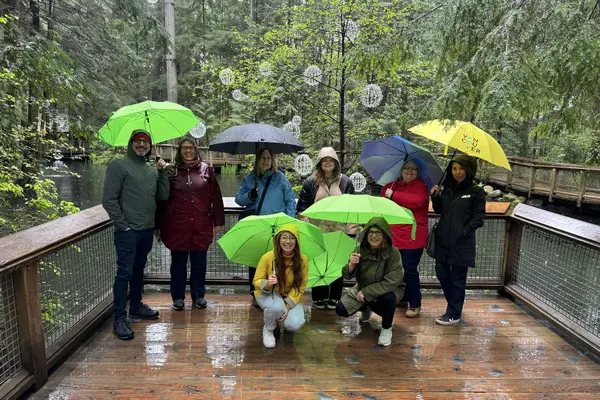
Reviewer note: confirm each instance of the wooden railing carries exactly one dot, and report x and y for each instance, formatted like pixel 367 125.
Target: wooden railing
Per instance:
pixel 214 158
pixel 64 270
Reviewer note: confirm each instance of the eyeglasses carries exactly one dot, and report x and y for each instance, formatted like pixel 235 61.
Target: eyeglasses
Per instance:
pixel 187 148
pixel 287 238
pixel 141 141
pixel 375 233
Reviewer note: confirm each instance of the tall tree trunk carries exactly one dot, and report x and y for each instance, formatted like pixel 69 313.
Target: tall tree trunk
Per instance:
pixel 343 95
pixel 32 110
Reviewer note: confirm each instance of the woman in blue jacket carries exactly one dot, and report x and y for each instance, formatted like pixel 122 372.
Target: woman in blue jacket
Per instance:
pixel 265 190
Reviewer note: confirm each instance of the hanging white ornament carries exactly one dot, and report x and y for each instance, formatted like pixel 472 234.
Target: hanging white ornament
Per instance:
pixel 313 75
pixel 292 128
pixel 358 181
pixel 303 165
pixel 351 30
pixel 371 96
pixel 198 131
pixel 227 77
pixel 265 69
pixel 297 120
pixel 80 98
pixel 238 95
pixel 152 1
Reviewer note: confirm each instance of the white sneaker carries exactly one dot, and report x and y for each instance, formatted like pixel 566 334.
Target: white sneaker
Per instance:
pixel 365 315
pixel 268 338
pixel 385 337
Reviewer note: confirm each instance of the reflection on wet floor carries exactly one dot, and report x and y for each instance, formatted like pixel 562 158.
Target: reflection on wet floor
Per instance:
pixel 217 353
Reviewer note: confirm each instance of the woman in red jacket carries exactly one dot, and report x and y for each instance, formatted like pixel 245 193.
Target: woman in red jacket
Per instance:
pixel 410 191
pixel 193 215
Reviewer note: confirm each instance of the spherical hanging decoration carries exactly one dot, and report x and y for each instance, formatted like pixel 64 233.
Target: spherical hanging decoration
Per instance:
pixel 359 181
pixel 292 128
pixel 80 98
pixel 152 1
pixel 238 95
pixel 198 131
pixel 351 30
pixel 297 120
pixel 227 77
pixel 303 165
pixel 265 69
pixel 313 75
pixel 371 96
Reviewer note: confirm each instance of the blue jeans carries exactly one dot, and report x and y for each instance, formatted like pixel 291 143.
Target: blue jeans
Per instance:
pixel 454 284
pixel 132 253
pixel 274 307
pixel 179 261
pixel 410 263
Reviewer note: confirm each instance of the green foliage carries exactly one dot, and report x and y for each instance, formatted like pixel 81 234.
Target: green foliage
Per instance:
pixel 229 170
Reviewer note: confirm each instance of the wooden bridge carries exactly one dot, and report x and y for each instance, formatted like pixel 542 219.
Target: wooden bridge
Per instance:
pixel 56 341
pixel 570 182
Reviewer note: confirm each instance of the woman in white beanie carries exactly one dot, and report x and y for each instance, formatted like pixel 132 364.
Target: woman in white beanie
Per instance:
pixel 327 180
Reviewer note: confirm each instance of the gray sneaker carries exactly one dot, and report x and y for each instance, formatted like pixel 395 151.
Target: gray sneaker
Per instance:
pixel 122 329
pixel 200 302
pixel 142 311
pixel 446 320
pixel 178 304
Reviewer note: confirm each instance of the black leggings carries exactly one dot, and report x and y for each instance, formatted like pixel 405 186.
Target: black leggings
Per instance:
pixel 332 292
pixel 384 306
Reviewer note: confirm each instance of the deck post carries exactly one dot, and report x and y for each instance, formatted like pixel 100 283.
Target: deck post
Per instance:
pixel 581 188
pixel 552 184
pixel 531 181
pixel 31 330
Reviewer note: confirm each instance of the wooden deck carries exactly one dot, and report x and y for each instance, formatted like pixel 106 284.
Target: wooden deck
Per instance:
pixel 501 352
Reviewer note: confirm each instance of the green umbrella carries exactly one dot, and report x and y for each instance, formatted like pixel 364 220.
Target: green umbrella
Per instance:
pixel 252 237
pixel 327 267
pixel 359 209
pixel 163 120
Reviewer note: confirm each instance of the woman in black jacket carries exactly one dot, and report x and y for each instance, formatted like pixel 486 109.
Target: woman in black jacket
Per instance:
pixel 327 180
pixel 461 205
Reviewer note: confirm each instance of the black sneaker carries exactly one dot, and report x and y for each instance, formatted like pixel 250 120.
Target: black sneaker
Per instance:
pixel 178 304
pixel 200 302
pixel 446 320
pixel 319 304
pixel 331 304
pixel 142 311
pixel 122 329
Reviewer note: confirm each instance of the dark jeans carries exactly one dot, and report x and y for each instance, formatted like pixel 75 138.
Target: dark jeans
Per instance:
pixel 410 263
pixel 179 260
pixel 251 273
pixel 454 284
pixel 384 306
pixel 332 292
pixel 132 253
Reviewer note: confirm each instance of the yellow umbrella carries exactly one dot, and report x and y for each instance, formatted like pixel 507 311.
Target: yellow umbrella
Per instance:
pixel 466 137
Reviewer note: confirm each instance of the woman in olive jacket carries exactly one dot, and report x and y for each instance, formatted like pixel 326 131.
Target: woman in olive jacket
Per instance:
pixel 379 278
pixel 461 205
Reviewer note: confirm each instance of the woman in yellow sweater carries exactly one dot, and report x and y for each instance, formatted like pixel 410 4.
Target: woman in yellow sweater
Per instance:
pixel 280 279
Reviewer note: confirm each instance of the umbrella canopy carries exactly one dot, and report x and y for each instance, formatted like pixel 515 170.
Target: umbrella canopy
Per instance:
pixel 327 267
pixel 359 209
pixel 251 138
pixel 466 137
pixel 252 237
pixel 383 160
pixel 163 120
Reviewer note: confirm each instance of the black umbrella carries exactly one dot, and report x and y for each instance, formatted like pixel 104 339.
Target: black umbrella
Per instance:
pixel 251 138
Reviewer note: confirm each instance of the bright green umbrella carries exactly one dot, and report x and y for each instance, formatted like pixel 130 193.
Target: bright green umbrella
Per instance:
pixel 252 237
pixel 359 209
pixel 163 120
pixel 327 267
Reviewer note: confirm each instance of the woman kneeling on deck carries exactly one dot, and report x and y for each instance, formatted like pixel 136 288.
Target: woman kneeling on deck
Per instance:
pixel 379 276
pixel 280 280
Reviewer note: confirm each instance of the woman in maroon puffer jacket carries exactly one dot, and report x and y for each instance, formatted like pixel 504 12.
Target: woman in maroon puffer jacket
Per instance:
pixel 409 191
pixel 189 220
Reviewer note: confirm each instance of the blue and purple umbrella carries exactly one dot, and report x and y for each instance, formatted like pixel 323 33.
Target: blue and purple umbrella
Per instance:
pixel 383 160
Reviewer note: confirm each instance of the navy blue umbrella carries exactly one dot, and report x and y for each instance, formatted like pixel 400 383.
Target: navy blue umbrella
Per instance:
pixel 383 160
pixel 252 138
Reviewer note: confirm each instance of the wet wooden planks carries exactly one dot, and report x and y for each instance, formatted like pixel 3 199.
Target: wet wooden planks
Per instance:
pixel 499 353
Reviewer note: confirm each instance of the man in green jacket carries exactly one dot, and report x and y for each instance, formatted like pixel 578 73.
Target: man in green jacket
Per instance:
pixel 379 278
pixel 131 189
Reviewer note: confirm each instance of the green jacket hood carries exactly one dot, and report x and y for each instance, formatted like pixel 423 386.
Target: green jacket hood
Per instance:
pixel 379 222
pixel 131 152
